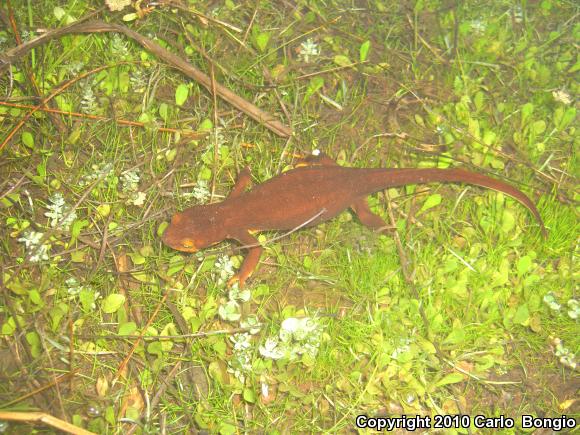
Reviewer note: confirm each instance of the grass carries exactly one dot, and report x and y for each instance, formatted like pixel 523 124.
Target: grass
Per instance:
pixel 456 321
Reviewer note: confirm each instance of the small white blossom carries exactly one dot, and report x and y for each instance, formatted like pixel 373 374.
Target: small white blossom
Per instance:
pixel 550 301
pixel 96 172
pixel 230 311
pixel 138 81
pixel 308 49
pixel 57 210
pixel 117 5
pixel 271 350
pixel 201 191
pixel 88 100
pixel 562 97
pixel 224 268
pixel 130 181
pixel 478 26
pixel 138 198
pixel 403 348
pixel 38 252
pixel 567 358
pixel 573 309
pixel 119 46
pixel 297 337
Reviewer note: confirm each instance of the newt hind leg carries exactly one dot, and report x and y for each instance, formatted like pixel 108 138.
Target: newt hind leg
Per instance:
pixel 367 217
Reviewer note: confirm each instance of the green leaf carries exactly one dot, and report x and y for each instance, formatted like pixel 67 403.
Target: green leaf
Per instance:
pixel 181 94
pixel 112 303
pixel 431 201
pixel 163 111
pixel 206 125
pixel 451 378
pixel 342 60
pixel 130 17
pixel 127 328
pixel 28 139
pixel 563 118
pixel 527 110
pixel 155 348
pixel 35 297
pixel 522 316
pixel 524 265
pixel 261 40
pixel 227 429
pixel 59 13
pixel 249 395
pixel 456 336
pixel 538 127
pixel 364 50
pixel 315 84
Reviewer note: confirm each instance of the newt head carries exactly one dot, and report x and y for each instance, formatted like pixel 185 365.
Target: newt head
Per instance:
pixel 194 229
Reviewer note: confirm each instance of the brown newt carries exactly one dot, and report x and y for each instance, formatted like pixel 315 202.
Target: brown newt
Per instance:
pixel 315 191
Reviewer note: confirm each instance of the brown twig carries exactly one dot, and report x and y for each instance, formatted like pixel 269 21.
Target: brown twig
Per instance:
pixel 97 26
pixel 122 122
pixel 41 417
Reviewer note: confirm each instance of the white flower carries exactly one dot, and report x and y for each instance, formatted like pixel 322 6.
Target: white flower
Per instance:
pixel 562 97
pixel 251 322
pixel 201 191
pixel 88 100
pixel 224 268
pixel 550 301
pixel 271 350
pixel 57 209
pixel 138 198
pixel 308 49
pixel 573 309
pixel 230 311
pixel 478 26
pixel 130 180
pixel 117 5
pixel 38 252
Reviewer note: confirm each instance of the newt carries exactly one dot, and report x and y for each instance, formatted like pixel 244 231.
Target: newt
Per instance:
pixel 314 191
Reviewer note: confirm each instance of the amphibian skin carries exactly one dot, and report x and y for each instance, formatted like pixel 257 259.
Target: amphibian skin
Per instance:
pixel 315 191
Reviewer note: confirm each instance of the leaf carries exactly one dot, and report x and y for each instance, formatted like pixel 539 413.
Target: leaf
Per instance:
pixel 527 110
pixel 112 303
pixel 155 348
pixel 35 297
pixel 130 17
pixel 451 378
pixel 59 13
pixel 342 60
pixel 103 210
pixel 538 127
pixel 249 395
pixel 364 50
pixel 524 265
pixel 522 316
pixel 181 94
pixel 28 139
pixel 261 40
pixel 432 201
pixel 563 118
pixel 315 84
pixel 456 336
pixel 127 328
pixel 163 111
